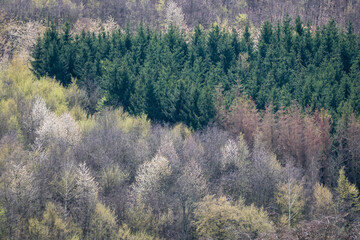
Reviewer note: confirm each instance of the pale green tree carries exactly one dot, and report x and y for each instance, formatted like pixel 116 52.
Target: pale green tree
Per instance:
pixel 103 224
pixel 217 218
pixel 290 197
pixel 52 225
pixel 348 196
pixel 324 202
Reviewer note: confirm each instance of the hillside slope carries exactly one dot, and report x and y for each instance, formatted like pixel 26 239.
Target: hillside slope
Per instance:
pixel 156 12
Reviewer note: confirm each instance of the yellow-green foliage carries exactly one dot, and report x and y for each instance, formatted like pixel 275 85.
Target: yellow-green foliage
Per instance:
pixel 126 234
pixel 49 4
pixel 324 204
pixel 129 123
pixel 225 11
pixel 163 221
pixel 112 178
pixel 9 115
pixel 253 219
pixel 241 3
pixel 2 212
pixel 221 22
pixel 78 113
pixel 142 220
pixel 275 164
pixel 37 230
pixel 53 94
pixel 348 193
pixel 18 86
pixel 160 5
pixel 2 222
pixel 181 130
pixel 52 226
pixel 21 83
pixel 291 200
pixel 243 149
pixel 242 19
pixel 39 3
pixel 103 223
pixel 87 124
pixel 217 218
pixel 140 217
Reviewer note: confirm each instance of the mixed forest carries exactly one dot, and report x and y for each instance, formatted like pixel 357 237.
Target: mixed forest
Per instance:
pixel 156 12
pixel 184 123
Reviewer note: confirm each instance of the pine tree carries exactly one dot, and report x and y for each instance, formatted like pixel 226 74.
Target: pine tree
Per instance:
pixel 265 38
pixel 355 86
pixel 213 44
pixel 247 44
pixel 235 43
pixel 66 56
pixel 138 98
pixel 117 83
pixel 198 47
pixel 37 64
pixel 298 26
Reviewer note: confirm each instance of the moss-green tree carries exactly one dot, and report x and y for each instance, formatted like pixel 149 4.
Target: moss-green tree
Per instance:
pixel 348 196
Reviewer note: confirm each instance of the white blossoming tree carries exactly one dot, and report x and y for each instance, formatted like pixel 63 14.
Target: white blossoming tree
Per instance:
pixel 50 127
pixel 85 197
pixel 150 177
pixel 174 15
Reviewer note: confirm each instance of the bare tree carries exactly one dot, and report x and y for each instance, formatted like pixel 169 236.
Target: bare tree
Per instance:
pixel 192 188
pixel 167 149
pixel 85 197
pixel 20 194
pixel 264 174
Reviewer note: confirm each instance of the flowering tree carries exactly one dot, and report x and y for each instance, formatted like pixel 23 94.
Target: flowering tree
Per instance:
pixel 150 177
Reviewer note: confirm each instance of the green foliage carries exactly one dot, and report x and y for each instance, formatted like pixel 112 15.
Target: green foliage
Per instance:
pixel 254 220
pixel 217 218
pixel 144 221
pixel 112 178
pixel 291 200
pixel 2 222
pixel 324 204
pixel 140 218
pixel 103 223
pixel 126 234
pixel 172 78
pixel 52 226
pixel 52 55
pixel 348 195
